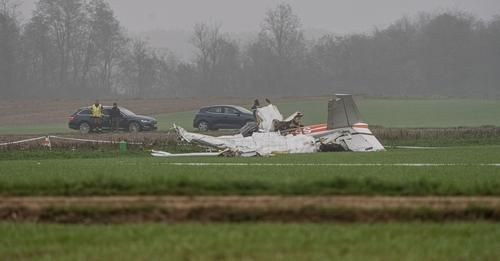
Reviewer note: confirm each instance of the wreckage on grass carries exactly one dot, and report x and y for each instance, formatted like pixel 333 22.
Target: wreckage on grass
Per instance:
pixel 273 134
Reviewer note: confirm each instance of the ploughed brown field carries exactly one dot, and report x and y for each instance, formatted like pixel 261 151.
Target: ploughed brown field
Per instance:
pixel 47 111
pixel 35 111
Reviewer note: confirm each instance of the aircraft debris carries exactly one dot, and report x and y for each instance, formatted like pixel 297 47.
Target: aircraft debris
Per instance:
pixel 272 134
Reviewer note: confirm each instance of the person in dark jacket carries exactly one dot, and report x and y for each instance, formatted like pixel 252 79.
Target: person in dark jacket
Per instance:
pixel 256 105
pixel 115 117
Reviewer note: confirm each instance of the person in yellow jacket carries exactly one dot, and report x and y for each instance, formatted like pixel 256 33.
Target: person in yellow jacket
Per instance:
pixel 97 114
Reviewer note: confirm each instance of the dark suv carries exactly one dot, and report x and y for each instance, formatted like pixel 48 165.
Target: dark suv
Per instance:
pixel 82 120
pixel 222 117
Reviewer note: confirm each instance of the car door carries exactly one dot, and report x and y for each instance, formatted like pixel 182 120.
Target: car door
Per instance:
pixel 106 119
pixel 232 118
pixel 215 117
pixel 124 121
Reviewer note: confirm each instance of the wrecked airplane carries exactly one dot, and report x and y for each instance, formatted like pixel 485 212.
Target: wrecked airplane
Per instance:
pixel 273 134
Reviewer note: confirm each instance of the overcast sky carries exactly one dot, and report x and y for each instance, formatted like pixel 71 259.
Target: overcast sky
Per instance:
pixel 338 16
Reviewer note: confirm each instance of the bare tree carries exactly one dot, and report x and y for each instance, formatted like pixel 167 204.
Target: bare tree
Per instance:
pixel 106 44
pixel 277 55
pixel 208 40
pixel 66 21
pixel 217 57
pixel 9 46
pixel 281 30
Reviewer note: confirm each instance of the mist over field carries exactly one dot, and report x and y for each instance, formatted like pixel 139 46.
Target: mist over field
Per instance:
pixel 153 48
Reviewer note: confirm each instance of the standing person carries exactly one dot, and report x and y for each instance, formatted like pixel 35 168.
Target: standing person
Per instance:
pixel 115 117
pixel 256 105
pixel 97 114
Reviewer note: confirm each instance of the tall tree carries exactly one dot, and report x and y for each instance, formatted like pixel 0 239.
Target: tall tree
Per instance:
pixel 279 51
pixel 447 46
pixel 207 39
pixel 488 65
pixel 137 70
pixel 217 58
pixel 282 31
pixel 9 47
pixel 67 22
pixel 105 45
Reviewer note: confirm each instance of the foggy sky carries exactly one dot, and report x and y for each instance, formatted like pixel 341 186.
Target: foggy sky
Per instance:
pixel 337 16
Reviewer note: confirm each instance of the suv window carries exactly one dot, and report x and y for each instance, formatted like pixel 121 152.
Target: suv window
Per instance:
pixel 107 112
pixel 231 111
pixel 215 110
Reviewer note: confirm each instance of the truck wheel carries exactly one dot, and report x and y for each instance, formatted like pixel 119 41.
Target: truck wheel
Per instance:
pixel 203 126
pixel 84 128
pixel 134 127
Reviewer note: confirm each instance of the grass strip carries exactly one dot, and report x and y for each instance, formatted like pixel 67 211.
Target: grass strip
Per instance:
pixel 408 241
pixel 140 174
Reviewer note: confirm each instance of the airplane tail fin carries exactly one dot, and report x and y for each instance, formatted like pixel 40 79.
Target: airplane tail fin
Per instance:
pixel 342 112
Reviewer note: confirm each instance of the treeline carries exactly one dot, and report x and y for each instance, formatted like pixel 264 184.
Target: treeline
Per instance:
pixel 77 48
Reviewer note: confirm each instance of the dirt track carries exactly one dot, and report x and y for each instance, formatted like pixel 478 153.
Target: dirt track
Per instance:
pixel 137 209
pixel 361 202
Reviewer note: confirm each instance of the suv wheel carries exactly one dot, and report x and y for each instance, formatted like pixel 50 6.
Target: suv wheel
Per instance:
pixel 134 127
pixel 84 128
pixel 203 126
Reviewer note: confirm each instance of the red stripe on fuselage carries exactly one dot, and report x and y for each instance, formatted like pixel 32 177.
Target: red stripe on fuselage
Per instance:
pixel 323 127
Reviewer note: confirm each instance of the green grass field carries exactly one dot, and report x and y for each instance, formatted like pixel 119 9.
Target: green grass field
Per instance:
pixel 380 112
pixel 140 174
pixel 135 173
pixel 450 241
